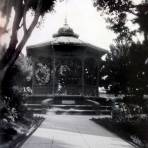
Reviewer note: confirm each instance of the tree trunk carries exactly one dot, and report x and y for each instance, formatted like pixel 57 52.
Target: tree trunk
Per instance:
pixel 15 28
pixel 145 36
pixel 2 75
pixel 14 50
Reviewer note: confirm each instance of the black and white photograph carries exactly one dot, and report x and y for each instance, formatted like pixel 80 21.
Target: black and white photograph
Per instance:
pixel 73 73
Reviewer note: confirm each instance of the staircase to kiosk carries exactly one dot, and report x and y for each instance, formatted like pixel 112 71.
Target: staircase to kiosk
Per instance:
pixel 67 105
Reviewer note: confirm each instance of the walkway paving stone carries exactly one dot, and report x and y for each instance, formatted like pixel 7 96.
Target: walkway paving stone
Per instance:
pixel 72 131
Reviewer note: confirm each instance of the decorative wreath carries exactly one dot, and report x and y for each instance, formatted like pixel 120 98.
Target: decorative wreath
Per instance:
pixel 42 74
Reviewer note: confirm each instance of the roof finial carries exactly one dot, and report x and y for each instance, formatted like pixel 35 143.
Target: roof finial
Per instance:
pixel 66 23
pixel 66 11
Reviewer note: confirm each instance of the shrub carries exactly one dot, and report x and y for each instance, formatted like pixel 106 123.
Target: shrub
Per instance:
pixel 122 112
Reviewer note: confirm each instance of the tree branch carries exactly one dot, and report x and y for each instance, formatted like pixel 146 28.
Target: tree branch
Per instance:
pixel 24 22
pixel 130 11
pixel 27 35
pixel 16 23
pixel 13 41
pixel 24 16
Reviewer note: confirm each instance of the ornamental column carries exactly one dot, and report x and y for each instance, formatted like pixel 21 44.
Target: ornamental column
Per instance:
pixel 53 77
pixel 82 75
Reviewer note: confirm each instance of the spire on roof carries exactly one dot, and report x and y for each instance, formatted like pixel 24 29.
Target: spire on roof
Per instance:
pixel 66 30
pixel 66 13
pixel 66 22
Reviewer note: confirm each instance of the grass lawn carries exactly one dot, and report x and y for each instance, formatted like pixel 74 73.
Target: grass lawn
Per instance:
pixel 132 131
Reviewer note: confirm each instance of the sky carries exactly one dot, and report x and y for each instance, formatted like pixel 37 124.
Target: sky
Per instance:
pixel 82 17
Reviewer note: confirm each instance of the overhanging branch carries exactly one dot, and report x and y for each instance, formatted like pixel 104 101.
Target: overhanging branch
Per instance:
pixel 130 11
pixel 24 22
pixel 27 35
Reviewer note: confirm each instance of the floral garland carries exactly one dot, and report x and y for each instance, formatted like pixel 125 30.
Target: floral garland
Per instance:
pixel 42 74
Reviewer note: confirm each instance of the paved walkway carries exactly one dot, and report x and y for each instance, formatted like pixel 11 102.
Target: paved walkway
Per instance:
pixel 65 131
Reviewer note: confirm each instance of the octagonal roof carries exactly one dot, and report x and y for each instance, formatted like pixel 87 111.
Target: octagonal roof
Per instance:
pixel 66 36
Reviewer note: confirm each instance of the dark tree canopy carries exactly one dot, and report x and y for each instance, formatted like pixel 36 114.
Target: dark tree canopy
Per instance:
pixel 125 70
pixel 47 5
pixel 117 16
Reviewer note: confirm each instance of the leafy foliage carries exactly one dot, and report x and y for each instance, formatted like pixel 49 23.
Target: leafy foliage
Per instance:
pixel 142 19
pixel 116 11
pixel 124 70
pixel 117 16
pixel 13 90
pixel 47 5
pixel 14 75
pixel 114 70
pixel 112 6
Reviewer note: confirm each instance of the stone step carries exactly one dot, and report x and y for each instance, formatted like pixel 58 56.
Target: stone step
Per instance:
pixel 81 112
pixel 87 107
pixel 80 107
pixel 40 105
pixel 104 112
pixel 69 106
pixel 69 99
pixel 34 105
pixel 37 110
pixel 37 99
pixel 73 112
pixel 105 107
pixel 93 102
